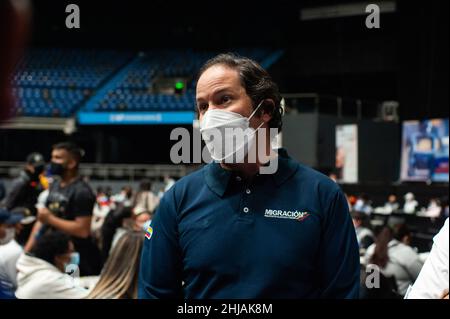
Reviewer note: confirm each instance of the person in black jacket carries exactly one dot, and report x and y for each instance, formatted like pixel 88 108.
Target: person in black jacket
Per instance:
pixel 2 190
pixel 27 186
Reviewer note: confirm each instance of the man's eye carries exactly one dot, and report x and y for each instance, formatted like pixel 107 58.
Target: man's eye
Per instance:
pixel 226 98
pixel 202 107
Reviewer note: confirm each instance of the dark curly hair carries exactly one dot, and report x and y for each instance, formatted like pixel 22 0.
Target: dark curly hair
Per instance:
pixel 50 245
pixel 257 82
pixel 74 150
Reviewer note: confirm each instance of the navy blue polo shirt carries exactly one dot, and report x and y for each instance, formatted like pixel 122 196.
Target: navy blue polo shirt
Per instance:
pixel 283 235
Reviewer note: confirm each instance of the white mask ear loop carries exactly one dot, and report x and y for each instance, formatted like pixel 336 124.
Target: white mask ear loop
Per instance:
pixel 251 115
pixel 259 126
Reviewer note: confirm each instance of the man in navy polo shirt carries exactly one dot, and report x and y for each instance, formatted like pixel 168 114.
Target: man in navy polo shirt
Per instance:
pixel 230 231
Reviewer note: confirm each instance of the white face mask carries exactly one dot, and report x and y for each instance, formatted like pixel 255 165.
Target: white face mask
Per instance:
pixel 228 133
pixel 9 235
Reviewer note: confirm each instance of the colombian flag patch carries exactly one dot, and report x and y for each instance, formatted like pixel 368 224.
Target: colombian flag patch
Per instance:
pixel 149 232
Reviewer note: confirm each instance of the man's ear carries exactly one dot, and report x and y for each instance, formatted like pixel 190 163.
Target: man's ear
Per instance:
pixel 268 107
pixel 71 164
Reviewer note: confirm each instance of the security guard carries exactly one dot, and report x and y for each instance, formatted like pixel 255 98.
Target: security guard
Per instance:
pixel 229 231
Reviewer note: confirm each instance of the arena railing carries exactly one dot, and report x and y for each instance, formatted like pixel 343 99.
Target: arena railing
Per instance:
pixel 96 171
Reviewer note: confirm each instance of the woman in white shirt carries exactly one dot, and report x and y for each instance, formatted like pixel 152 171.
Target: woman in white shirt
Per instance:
pixel 395 257
pixel 432 282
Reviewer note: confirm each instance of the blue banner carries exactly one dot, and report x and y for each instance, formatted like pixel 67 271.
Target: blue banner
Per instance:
pixel 135 118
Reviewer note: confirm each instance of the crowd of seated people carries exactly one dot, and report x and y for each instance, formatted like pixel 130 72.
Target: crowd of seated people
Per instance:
pixel 387 247
pixel 436 207
pixel 50 268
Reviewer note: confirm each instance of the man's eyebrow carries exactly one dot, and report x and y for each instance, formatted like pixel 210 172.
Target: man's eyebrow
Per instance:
pixel 221 90
pixel 218 91
pixel 198 99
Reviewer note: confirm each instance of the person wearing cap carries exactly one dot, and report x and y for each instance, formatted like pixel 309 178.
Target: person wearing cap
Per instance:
pixel 245 228
pixel 10 250
pixel 27 186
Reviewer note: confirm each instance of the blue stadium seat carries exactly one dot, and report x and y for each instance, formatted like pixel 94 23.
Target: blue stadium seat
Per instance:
pixel 58 82
pixel 44 76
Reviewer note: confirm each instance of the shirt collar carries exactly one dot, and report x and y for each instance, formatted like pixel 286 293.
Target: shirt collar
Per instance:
pixel 393 242
pixel 218 178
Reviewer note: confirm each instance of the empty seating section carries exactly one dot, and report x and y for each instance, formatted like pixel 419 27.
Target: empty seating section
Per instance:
pixel 58 82
pixel 54 82
pixel 141 100
pixel 134 89
pixel 54 102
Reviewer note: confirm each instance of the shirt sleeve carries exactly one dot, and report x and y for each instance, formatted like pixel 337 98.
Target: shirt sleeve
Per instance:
pixel 160 274
pixel 83 202
pixel 66 287
pixel 433 278
pixel 2 190
pixel 414 264
pixel 16 192
pixel 339 253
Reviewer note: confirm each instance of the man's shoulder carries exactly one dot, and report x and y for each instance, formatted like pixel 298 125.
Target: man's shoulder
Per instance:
pixel 77 189
pixel 184 187
pixel 10 250
pixel 195 178
pixel 82 186
pixel 303 174
pixel 403 252
pixel 441 239
pixel 315 179
pixel 20 180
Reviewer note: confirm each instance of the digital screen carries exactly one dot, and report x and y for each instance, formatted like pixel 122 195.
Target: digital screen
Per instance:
pixel 425 151
pixel 346 163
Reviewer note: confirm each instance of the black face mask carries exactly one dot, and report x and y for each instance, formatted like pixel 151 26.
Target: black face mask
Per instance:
pixel 38 171
pixel 34 176
pixel 56 169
